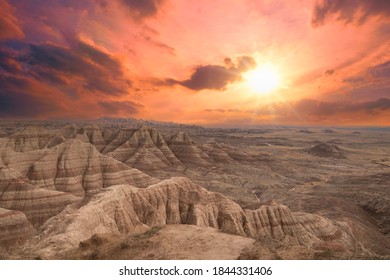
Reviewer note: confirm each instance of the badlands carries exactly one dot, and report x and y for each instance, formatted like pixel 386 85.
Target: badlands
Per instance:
pixel 133 189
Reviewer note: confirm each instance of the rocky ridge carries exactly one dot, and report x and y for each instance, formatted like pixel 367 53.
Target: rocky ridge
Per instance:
pixel 125 209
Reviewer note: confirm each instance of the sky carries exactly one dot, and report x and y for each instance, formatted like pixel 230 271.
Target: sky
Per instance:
pixel 189 61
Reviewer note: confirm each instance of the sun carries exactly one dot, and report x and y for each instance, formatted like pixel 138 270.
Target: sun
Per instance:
pixel 263 79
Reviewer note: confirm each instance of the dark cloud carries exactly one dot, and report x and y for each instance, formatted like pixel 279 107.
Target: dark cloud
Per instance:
pixel 118 107
pixel 348 11
pixel 97 56
pixel 9 25
pixel 50 76
pixel 216 76
pixel 39 79
pixel 143 8
pixel 16 99
pixel 81 63
pixel 380 70
pixel 8 62
pixel 57 58
pixel 211 77
pixel 329 72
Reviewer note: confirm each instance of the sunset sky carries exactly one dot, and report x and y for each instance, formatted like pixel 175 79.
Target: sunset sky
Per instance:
pixel 213 63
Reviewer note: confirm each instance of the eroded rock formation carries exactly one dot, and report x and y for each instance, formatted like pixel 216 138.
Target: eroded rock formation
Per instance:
pixel 14 228
pixel 126 209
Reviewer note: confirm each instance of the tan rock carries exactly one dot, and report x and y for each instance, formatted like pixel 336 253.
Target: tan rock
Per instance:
pixel 37 204
pixel 185 149
pixel 14 228
pixel 126 209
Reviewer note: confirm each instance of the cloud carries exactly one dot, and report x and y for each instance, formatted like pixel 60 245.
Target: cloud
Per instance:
pixel 97 56
pixel 371 74
pixel 164 47
pixel 210 77
pixel 120 107
pixel 348 11
pixel 380 70
pixel 245 63
pixel 9 25
pixel 216 77
pixel 41 80
pixel 16 99
pixel 8 62
pixel 329 72
pixel 140 9
pixel 316 108
pixel 82 66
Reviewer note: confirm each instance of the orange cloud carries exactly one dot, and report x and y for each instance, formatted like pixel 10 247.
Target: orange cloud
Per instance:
pixel 9 24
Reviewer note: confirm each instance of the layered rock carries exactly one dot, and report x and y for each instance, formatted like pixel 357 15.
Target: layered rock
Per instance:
pixel 93 135
pixel 185 149
pixel 216 152
pixel 37 204
pixel 78 168
pixel 278 222
pixel 30 139
pixel 20 161
pixel 14 228
pixel 145 148
pixel 116 138
pixel 327 150
pixel 126 209
pixel 69 131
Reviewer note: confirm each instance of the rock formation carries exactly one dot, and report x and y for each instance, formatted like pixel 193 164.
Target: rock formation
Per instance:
pixel 37 204
pixel 185 149
pixel 93 135
pixel 143 148
pixel 30 139
pixel 216 152
pixel 78 168
pixel 126 209
pixel 327 150
pixel 14 228
pixel 61 184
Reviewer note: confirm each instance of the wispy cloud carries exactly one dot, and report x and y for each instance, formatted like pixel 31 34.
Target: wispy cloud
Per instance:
pixel 349 11
pixel 9 24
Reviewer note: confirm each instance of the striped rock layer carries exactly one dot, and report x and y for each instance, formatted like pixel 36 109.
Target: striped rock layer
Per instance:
pixel 126 209
pixel 37 204
pixel 14 228
pixel 78 168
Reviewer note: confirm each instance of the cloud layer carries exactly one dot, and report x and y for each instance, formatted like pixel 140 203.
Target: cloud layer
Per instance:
pixel 217 77
pixel 9 24
pixel 144 8
pixel 357 11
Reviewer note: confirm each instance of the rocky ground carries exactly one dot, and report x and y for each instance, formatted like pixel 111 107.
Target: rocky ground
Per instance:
pixel 129 189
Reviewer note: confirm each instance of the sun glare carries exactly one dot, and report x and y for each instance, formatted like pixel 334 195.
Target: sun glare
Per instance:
pixel 263 79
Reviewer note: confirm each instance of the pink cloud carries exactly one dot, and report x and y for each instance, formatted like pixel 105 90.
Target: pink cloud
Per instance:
pixel 9 24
